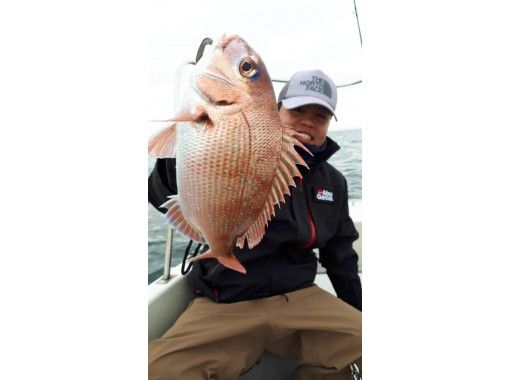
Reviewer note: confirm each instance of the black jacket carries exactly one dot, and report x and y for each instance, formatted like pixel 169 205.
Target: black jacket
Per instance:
pixel 316 215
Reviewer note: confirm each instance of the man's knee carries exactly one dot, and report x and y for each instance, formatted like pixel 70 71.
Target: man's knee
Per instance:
pixel 353 345
pixel 165 364
pixel 177 366
pixel 337 350
pixel 357 341
pixel 354 338
pixel 197 364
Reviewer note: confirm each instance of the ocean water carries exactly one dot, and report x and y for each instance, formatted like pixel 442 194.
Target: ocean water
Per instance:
pixel 347 160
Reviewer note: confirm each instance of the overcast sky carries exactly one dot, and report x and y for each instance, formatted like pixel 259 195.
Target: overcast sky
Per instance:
pixel 288 35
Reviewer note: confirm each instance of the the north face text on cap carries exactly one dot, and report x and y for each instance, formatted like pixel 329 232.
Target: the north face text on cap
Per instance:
pixel 318 85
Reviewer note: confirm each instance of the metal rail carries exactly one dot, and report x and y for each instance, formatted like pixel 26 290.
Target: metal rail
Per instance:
pixel 168 256
pixel 355 372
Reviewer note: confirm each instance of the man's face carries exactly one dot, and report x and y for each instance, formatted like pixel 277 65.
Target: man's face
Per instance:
pixel 310 121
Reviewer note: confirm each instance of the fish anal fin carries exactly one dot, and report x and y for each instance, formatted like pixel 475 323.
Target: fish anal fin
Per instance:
pixel 255 233
pixel 178 220
pixel 240 241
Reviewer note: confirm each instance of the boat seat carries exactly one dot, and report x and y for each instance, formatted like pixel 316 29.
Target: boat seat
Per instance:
pixel 271 367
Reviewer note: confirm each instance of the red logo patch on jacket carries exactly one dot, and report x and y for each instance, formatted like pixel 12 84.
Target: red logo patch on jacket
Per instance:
pixel 323 195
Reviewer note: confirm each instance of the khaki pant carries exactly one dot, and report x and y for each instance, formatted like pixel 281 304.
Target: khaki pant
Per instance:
pixel 221 341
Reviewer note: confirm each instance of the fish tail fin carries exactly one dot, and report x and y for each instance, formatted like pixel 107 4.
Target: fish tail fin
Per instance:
pixel 228 261
pixel 233 263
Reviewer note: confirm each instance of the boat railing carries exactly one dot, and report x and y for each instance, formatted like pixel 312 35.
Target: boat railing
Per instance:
pixel 168 256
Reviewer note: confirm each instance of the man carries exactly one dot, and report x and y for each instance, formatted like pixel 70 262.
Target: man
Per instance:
pixel 276 307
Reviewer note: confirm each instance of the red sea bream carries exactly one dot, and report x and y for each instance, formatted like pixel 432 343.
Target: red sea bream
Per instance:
pixel 234 158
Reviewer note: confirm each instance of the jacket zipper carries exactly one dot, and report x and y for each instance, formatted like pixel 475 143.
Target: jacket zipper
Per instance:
pixel 313 234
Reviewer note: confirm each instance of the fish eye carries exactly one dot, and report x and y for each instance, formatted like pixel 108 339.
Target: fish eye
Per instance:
pixel 248 68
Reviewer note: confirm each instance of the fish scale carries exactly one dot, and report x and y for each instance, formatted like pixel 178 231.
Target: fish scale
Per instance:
pixel 210 157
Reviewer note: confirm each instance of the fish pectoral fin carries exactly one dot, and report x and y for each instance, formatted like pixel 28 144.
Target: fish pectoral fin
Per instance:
pixel 199 114
pixel 181 116
pixel 163 144
pixel 202 117
pixel 283 179
pixel 230 262
pixel 177 220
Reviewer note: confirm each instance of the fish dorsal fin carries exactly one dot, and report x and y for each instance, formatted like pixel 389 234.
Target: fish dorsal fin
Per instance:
pixel 283 179
pixel 178 221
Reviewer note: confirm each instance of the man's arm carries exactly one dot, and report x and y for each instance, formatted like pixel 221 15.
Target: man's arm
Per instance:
pixel 162 182
pixel 341 260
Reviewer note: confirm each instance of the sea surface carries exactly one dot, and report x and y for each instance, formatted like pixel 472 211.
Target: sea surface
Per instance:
pixel 347 160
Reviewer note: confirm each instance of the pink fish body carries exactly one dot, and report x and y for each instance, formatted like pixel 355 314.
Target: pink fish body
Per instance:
pixel 235 159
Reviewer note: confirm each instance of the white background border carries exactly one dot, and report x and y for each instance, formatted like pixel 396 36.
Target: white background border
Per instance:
pixel 435 202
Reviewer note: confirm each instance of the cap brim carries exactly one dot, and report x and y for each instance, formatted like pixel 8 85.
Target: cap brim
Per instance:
pixel 299 101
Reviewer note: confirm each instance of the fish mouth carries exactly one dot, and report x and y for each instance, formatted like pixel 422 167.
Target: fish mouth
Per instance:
pixel 215 73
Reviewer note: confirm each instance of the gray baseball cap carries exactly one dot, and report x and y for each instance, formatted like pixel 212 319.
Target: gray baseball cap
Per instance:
pixel 309 87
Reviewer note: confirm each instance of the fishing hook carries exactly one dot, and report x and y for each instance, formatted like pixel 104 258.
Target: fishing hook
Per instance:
pixel 206 41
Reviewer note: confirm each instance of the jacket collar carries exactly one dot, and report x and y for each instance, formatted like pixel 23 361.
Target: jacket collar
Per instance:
pixel 319 157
